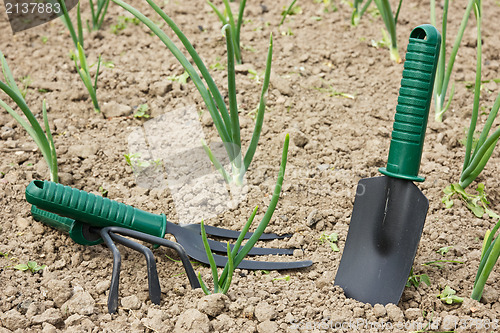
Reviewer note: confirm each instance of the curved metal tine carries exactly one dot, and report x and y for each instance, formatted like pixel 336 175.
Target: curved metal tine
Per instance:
pixel 115 276
pixel 193 280
pixel 226 233
pixel 221 261
pixel 153 281
pixel 256 251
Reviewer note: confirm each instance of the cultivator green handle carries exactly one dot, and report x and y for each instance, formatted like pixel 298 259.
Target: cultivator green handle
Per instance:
pixel 79 232
pixel 90 209
pixel 414 102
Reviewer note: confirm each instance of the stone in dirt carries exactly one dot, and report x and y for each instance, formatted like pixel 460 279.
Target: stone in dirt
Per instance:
pixel 267 327
pixel 113 109
pixel 131 302
pixel 59 291
pixel 81 303
pixel 192 320
pixel 213 305
pixel 394 313
pixel 264 311
pixel 13 320
pixel 379 310
pixel 51 316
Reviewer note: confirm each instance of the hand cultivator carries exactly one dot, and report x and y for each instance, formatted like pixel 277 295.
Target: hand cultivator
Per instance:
pixel 90 219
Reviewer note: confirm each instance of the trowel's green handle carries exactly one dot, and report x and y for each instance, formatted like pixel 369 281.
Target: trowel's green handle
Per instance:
pixel 92 209
pixel 414 102
pixel 77 231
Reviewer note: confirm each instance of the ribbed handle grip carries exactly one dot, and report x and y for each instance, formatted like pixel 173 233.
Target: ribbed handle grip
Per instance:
pixel 76 230
pixel 92 209
pixel 414 102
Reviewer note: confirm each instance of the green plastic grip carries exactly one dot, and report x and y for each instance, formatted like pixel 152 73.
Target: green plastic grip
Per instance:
pixel 77 231
pixel 414 102
pixel 92 209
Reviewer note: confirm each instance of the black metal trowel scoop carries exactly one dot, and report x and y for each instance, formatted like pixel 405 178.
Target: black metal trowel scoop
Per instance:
pixel 389 211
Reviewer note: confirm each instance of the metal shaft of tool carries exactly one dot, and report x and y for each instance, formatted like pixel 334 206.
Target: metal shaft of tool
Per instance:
pixel 115 275
pixel 153 281
pixel 193 280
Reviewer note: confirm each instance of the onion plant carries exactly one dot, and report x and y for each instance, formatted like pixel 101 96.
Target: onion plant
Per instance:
pixel 238 253
pixel 477 153
pixel 390 20
pixel 98 12
pixel 489 256
pixel 80 59
pixel 227 17
pixel 43 139
pixel 443 73
pixel 226 122
pixel 357 13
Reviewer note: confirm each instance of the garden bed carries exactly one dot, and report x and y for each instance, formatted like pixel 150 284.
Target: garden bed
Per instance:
pixel 335 141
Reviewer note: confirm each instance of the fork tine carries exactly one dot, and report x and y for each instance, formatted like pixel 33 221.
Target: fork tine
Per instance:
pixel 256 251
pixel 226 233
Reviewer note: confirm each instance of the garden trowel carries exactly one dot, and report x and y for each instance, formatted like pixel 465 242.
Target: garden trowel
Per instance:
pixel 389 211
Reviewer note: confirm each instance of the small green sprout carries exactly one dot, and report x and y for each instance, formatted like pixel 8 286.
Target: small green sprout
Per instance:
pixel 32 266
pixel 217 66
pixel 415 280
pixel 449 296
pixel 443 250
pixel 5 254
pixel 108 64
pixel 478 204
pixel 440 263
pixel 103 191
pixel 25 81
pixel 45 39
pixel 285 278
pixel 332 92
pixel 122 23
pixel 331 239
pixel 142 111
pixel 182 79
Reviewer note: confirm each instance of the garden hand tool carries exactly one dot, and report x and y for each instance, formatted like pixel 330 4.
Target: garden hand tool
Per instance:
pixel 389 212
pixel 86 235
pixel 100 212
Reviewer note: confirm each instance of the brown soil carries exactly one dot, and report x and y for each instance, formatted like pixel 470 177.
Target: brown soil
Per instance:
pixel 335 141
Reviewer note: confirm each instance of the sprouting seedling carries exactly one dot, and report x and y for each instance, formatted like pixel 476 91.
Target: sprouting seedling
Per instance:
pixel 98 12
pixel 477 204
pixel 332 92
pixel 331 239
pixel 5 254
pixel 217 66
pixel 142 111
pixel 390 20
pixel 415 280
pixel 443 250
pixel 239 252
pixel 328 6
pixel 443 73
pixel 122 23
pixel 26 81
pixel 226 120
pixel 80 58
pixel 43 139
pixel 290 10
pixel 440 263
pixel 182 79
pixel 32 266
pixel 282 278
pixel 103 191
pixel 489 256
pixel 228 18
pixel 449 296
